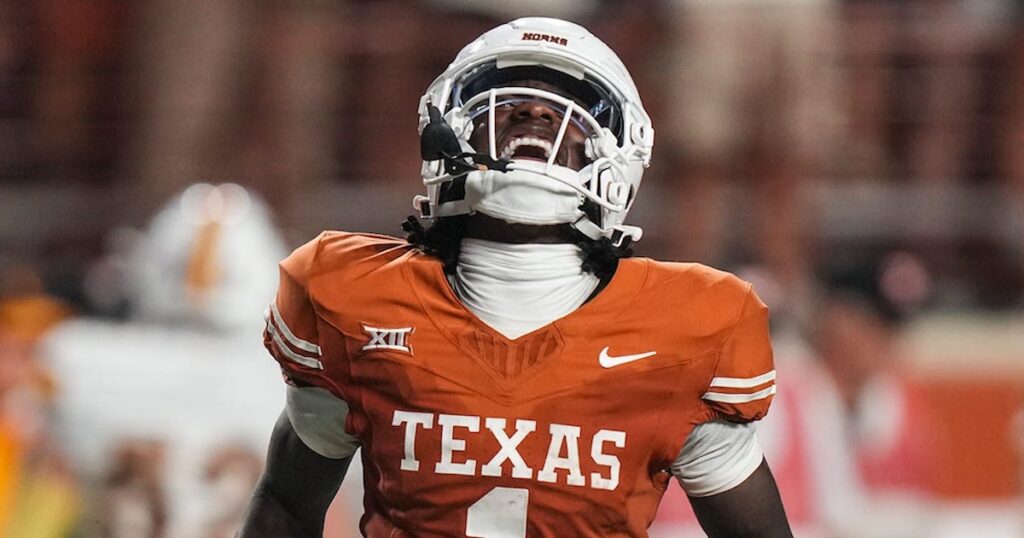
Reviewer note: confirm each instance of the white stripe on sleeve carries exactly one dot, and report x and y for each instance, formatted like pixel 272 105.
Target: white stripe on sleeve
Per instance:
pixel 290 336
pixel 724 397
pixel 287 352
pixel 742 382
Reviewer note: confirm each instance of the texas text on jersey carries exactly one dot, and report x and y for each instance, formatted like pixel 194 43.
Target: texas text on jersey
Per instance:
pixel 568 430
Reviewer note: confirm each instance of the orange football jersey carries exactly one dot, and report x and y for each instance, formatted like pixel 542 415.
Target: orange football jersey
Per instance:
pixel 566 431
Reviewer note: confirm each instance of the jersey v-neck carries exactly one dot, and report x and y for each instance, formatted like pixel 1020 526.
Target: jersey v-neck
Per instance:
pixel 512 360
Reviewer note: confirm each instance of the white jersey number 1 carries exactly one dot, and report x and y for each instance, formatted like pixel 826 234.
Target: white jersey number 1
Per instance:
pixel 499 514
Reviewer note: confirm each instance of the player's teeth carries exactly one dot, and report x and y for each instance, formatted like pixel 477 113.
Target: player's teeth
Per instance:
pixel 516 143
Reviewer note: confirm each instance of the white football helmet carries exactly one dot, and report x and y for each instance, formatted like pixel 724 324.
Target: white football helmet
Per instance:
pixel 597 95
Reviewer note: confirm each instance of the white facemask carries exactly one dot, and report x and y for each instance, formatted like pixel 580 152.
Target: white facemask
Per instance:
pixel 525 196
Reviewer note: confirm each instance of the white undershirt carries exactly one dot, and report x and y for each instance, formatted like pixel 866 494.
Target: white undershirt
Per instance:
pixel 516 289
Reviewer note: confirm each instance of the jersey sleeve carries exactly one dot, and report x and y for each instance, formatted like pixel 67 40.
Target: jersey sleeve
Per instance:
pixel 291 331
pixel 318 418
pixel 717 456
pixel 744 380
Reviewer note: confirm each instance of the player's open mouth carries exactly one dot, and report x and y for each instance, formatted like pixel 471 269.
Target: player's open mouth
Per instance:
pixel 527 147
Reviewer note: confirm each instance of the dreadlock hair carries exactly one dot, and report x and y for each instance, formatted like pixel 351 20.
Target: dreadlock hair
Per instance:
pixel 443 240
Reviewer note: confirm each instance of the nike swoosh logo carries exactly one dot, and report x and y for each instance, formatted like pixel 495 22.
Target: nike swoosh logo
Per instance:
pixel 609 361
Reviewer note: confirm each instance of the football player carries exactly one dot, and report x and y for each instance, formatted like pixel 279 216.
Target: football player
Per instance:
pixel 510 371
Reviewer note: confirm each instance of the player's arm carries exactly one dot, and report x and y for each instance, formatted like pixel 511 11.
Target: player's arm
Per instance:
pixel 721 466
pixel 751 509
pixel 295 490
pixel 309 448
pixel 723 472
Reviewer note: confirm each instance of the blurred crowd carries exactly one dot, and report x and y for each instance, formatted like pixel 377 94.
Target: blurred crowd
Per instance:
pixel 860 161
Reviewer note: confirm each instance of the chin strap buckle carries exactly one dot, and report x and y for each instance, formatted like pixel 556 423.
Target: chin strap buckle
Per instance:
pixel 621 236
pixel 467 162
pixel 422 204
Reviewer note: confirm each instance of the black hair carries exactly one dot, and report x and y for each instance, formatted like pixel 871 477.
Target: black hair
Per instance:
pixel 443 240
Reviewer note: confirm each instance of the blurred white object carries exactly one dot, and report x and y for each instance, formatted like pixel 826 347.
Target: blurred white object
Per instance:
pixel 195 394
pixel 159 414
pixel 969 519
pixel 209 258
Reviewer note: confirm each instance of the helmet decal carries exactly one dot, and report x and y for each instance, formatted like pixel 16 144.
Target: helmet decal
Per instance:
pixel 534 36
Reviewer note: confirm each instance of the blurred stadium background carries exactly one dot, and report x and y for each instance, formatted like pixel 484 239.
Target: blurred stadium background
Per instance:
pixel 862 161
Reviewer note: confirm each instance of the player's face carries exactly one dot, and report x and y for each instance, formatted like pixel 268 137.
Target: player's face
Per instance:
pixel 520 123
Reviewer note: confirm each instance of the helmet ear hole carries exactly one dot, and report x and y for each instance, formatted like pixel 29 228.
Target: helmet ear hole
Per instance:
pixel 617 193
pixel 639 134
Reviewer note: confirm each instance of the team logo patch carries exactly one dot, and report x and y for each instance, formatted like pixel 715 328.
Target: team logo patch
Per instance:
pixel 390 339
pixel 533 36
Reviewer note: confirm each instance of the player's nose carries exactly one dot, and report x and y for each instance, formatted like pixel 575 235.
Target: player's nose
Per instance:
pixel 529 109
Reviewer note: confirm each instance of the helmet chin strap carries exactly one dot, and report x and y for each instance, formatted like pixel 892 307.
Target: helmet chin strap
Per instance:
pixel 438 142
